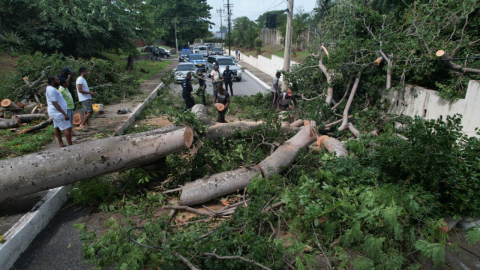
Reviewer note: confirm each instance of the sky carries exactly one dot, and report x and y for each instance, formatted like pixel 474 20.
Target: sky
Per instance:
pixel 254 8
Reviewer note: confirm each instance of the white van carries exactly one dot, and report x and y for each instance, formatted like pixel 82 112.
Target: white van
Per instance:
pixel 203 50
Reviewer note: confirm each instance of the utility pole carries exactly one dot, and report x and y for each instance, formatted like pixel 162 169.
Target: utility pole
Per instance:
pixel 220 11
pixel 229 13
pixel 176 42
pixel 288 42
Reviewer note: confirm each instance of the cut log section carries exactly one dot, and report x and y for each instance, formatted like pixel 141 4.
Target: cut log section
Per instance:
pixel 7 103
pixel 77 119
pixel 43 124
pixel 54 168
pixel 220 184
pixel 219 106
pixel 10 123
pixel 27 118
pixel 335 146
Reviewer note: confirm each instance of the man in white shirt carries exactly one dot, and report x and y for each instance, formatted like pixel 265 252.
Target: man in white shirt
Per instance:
pixel 85 97
pixel 215 79
pixel 57 110
pixel 275 89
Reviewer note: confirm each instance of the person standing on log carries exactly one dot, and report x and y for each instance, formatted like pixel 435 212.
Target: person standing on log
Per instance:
pixel 67 74
pixel 222 97
pixel 57 108
pixel 84 96
pixel 275 89
pixel 228 78
pixel 187 92
pixel 63 89
pixel 284 100
pixel 215 79
pixel 201 86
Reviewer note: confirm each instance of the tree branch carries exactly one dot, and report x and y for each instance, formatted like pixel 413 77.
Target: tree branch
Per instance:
pixel 186 261
pixel 237 258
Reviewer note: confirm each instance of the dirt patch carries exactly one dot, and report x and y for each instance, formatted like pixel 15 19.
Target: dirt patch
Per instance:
pixel 8 64
pixel 155 122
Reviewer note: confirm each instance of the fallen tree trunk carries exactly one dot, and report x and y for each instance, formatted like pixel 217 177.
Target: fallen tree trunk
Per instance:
pixel 7 103
pixel 27 118
pixel 220 184
pixel 335 146
pixel 10 123
pixel 43 124
pixel 54 168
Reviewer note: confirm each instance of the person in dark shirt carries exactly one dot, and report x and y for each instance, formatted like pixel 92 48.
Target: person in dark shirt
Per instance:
pixel 284 100
pixel 66 74
pixel 201 86
pixel 187 92
pixel 228 78
pixel 223 97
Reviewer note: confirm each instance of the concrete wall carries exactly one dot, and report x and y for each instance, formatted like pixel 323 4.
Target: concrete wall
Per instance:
pixel 426 103
pixel 270 36
pixel 269 66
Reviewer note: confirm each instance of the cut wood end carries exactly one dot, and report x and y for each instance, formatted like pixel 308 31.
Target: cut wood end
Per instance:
pixel 20 104
pixel 321 139
pixel 378 61
pixel 188 136
pixel 220 107
pixel 440 53
pixel 306 123
pixel 6 102
pixel 77 119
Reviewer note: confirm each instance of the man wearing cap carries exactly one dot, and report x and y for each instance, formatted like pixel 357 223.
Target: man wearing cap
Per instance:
pixel 67 75
pixel 228 78
pixel 84 96
pixel 57 111
pixel 284 100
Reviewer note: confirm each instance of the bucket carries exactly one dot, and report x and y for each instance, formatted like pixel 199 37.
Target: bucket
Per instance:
pixel 98 108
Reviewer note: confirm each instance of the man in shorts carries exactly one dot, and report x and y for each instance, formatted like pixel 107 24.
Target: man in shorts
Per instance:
pixel 57 111
pixel 84 96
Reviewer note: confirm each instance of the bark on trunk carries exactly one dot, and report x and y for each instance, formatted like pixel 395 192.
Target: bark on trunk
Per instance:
pixel 443 55
pixel 335 146
pixel 349 103
pixel 43 124
pixel 7 103
pixel 220 184
pixel 27 118
pixel 10 123
pixel 354 130
pixel 329 97
pixel 130 62
pixel 40 171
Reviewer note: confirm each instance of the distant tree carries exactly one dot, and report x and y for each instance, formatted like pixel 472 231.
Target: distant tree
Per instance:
pixel 191 16
pixel 245 32
pixel 300 24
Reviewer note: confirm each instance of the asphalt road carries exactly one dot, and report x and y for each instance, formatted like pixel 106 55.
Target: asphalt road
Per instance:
pixel 246 87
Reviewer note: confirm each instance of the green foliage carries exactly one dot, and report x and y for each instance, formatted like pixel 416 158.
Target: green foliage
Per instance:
pixel 192 20
pixel 473 235
pixel 258 45
pixel 101 72
pixel 16 145
pixel 244 33
pixel 12 42
pixel 435 251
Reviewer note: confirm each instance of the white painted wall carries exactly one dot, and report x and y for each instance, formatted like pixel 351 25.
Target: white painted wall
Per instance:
pixel 426 103
pixel 266 65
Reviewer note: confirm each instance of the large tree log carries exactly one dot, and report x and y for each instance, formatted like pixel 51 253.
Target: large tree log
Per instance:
pixel 7 103
pixel 43 124
pixel 40 171
pixel 220 184
pixel 443 55
pixel 27 118
pixel 10 123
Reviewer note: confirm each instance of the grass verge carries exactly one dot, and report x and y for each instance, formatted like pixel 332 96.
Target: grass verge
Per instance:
pixel 12 145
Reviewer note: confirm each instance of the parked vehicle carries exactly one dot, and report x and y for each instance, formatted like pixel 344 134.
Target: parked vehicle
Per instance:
pixel 203 50
pixel 196 49
pixel 147 49
pixel 223 62
pixel 156 55
pixel 211 62
pixel 182 70
pixel 210 46
pixel 164 53
pixel 198 61
pixel 217 51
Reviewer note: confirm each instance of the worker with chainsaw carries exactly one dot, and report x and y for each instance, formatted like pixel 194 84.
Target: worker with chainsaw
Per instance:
pixel 220 102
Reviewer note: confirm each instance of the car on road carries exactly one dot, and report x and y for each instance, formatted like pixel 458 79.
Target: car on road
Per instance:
pixel 164 52
pixel 181 71
pixel 196 49
pixel 182 57
pixel 203 50
pixel 223 62
pixel 217 51
pixel 198 61
pixel 211 62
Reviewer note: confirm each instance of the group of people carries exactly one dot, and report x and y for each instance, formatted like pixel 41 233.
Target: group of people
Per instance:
pixel 60 95
pixel 281 101
pixel 220 94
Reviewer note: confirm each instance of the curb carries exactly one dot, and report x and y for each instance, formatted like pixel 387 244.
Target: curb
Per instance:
pixel 18 238
pixel 137 111
pixel 256 78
